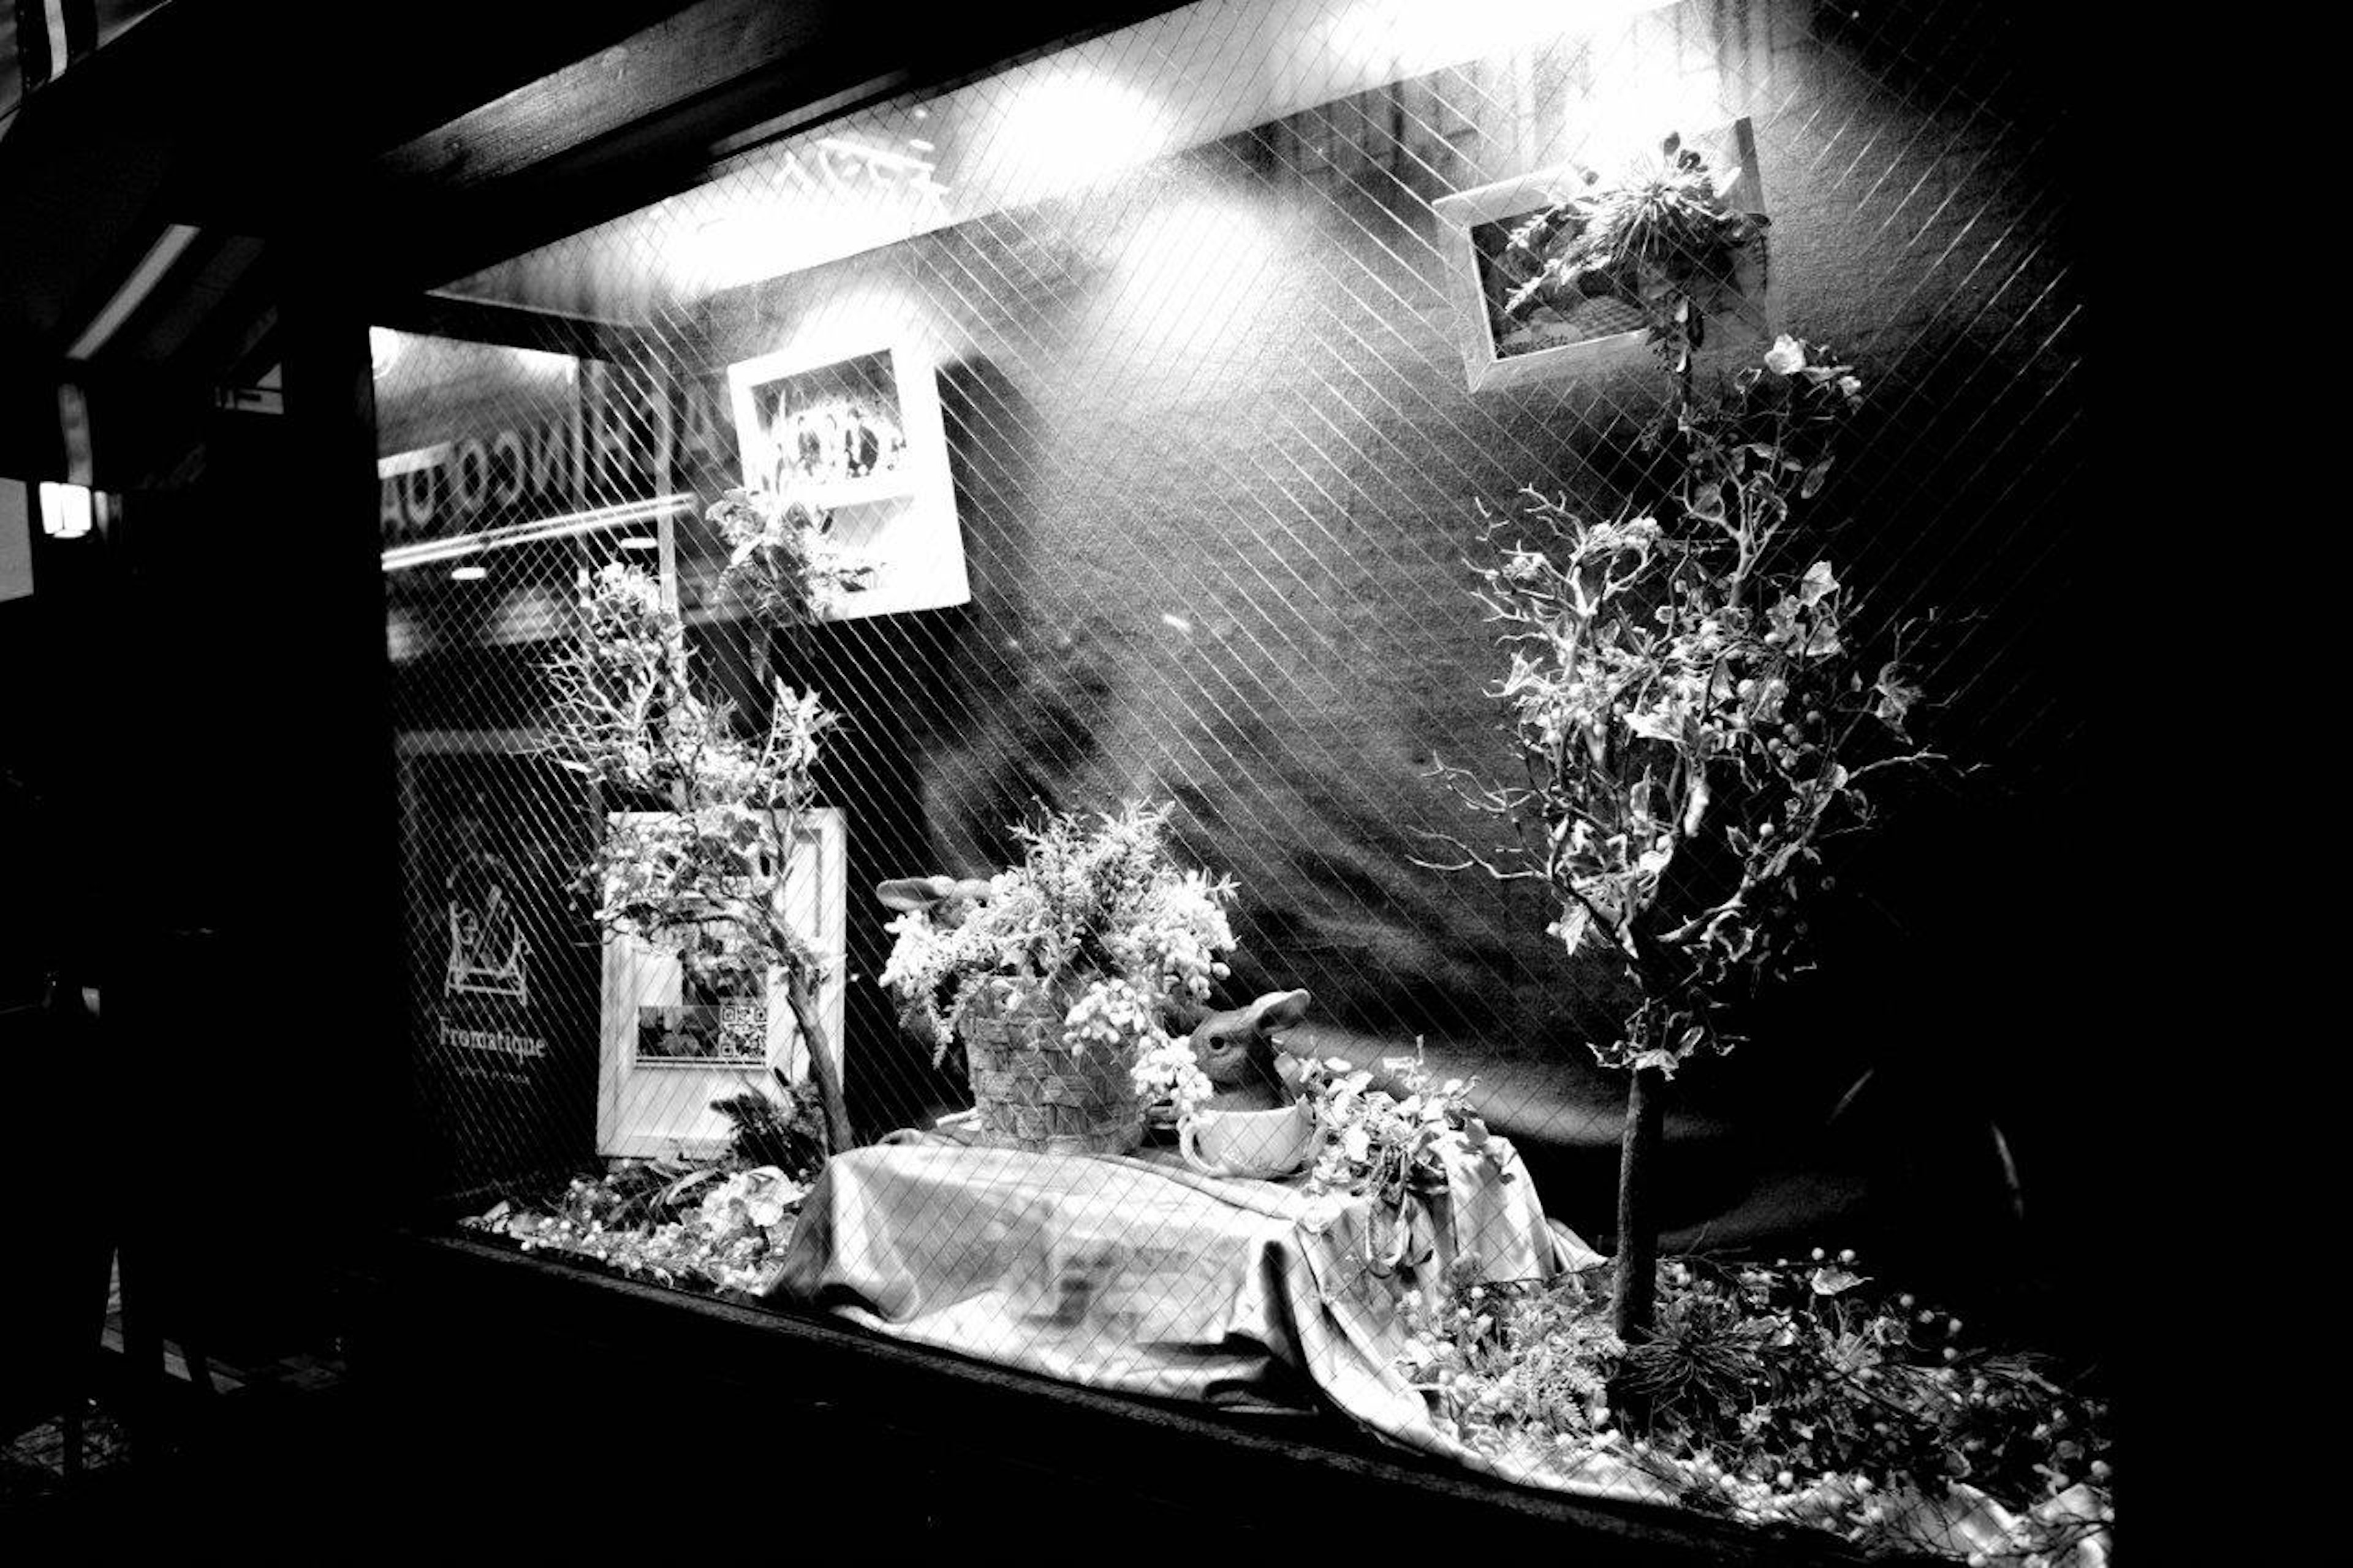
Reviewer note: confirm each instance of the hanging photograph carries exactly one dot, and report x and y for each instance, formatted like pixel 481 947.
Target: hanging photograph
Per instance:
pixel 673 1043
pixel 858 440
pixel 1582 266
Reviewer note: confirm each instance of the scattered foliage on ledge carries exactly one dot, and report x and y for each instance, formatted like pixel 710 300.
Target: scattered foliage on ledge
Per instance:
pixel 668 1221
pixel 1794 1393
pixel 720 1224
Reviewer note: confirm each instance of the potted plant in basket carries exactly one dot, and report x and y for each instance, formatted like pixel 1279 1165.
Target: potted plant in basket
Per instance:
pixel 1060 973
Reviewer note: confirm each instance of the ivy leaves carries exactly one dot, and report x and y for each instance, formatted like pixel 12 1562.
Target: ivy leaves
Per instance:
pixel 1691 708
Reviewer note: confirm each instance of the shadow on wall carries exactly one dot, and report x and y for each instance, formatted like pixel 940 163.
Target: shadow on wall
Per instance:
pixel 1025 695
pixel 1189 585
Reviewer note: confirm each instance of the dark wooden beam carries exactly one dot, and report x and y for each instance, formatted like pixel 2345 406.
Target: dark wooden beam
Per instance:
pixel 237 342
pixel 647 117
pixel 214 274
pixel 661 70
pixel 34 65
pixel 330 440
pixel 415 144
pixel 512 326
pixel 832 1397
pixel 251 117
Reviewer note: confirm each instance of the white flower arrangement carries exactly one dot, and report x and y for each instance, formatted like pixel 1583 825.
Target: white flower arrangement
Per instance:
pixel 1168 1072
pixel 1372 1141
pixel 1097 922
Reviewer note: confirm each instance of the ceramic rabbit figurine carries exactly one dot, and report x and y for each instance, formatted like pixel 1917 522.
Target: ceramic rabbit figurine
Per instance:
pixel 1235 1050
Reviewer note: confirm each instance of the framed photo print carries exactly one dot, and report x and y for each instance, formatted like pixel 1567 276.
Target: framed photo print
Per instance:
pixel 668 1049
pixel 858 438
pixel 1501 348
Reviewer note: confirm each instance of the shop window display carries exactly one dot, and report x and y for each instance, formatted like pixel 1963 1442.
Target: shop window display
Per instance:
pixel 1009 735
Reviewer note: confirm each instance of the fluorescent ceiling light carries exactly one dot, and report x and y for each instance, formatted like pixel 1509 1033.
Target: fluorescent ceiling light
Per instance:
pixel 424 552
pixel 541 362
pixel 469 573
pixel 168 247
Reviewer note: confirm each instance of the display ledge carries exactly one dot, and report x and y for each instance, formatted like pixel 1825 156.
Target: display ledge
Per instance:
pixel 511 1366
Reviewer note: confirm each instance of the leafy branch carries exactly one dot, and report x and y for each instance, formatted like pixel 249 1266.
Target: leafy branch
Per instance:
pixel 1692 717
pixel 705 879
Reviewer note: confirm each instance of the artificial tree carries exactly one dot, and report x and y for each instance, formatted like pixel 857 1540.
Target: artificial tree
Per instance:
pixel 706 878
pixel 1696 718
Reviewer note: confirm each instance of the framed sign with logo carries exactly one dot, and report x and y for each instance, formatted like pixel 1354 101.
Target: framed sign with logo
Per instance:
pixel 502 955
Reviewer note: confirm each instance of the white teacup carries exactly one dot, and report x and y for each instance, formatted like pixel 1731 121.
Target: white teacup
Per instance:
pixel 1249 1143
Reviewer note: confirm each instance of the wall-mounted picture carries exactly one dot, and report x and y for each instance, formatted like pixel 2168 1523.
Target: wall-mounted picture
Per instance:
pixel 670 1045
pixel 828 426
pixel 1564 270
pixel 858 439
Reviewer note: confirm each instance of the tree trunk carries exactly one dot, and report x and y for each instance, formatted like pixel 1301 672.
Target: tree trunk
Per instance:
pixel 828 1082
pixel 1634 1289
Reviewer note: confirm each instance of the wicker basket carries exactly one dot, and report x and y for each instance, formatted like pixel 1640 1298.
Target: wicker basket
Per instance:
pixel 1034 1094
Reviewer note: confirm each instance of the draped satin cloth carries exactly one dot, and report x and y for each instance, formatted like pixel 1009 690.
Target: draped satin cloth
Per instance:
pixel 1139 1275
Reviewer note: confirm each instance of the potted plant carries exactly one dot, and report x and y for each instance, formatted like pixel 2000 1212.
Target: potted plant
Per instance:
pixel 703 879
pixel 782 558
pixel 1060 973
pixel 1697 718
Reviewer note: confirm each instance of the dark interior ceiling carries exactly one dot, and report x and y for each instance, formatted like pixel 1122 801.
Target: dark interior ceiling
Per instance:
pixel 238 116
pixel 415 140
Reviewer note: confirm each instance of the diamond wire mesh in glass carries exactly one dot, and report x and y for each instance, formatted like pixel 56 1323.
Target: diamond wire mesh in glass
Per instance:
pixel 1150 390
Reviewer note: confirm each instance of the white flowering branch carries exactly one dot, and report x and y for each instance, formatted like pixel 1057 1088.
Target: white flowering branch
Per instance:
pixel 706 880
pixel 1693 721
